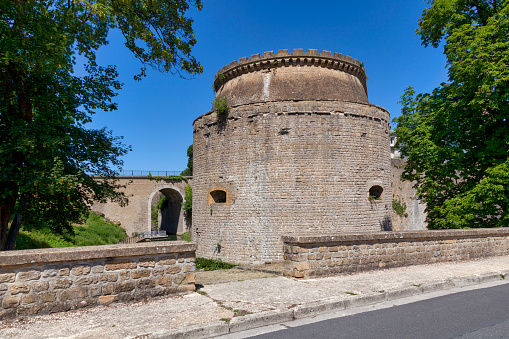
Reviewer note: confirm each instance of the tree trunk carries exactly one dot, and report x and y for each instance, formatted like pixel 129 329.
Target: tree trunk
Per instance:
pixel 12 237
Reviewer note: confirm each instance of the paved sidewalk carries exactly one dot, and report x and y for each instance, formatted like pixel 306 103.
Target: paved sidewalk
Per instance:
pixel 232 306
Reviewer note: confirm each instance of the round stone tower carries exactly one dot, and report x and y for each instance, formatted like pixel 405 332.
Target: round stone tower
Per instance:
pixel 299 151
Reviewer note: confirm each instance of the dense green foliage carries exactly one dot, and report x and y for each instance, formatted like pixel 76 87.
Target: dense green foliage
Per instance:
pixel 212 265
pixel 456 138
pixel 96 231
pixel 187 204
pixel 189 170
pixel 46 150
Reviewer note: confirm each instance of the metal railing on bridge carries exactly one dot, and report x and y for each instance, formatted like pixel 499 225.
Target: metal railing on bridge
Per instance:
pixel 140 173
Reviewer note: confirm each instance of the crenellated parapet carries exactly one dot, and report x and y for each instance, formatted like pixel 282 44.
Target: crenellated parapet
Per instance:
pixel 283 58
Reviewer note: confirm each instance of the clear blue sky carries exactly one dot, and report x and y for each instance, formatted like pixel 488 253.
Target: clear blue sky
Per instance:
pixel 155 115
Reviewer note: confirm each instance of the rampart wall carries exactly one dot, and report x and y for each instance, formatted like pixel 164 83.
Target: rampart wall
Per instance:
pixel 60 279
pixel 413 217
pixel 141 192
pixel 322 255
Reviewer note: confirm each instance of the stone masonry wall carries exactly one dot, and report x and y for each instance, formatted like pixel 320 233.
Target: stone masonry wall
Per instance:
pixel 54 280
pixel 288 167
pixel 414 217
pixel 312 256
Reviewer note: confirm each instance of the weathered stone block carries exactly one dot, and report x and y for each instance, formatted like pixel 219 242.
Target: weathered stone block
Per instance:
pixel 173 269
pixel 158 271
pixel 10 302
pixel 27 275
pixel 107 299
pixel 48 296
pixel 62 283
pixel 31 309
pixel 123 286
pixel 38 286
pixel 125 275
pixel 64 272
pixel 50 271
pixel 89 280
pixel 140 274
pixel 187 268
pixel 30 298
pixel 120 264
pixel 145 283
pixel 58 307
pixel 109 277
pixel 147 262
pixel 186 288
pixel 80 270
pixel 164 281
pixel 301 266
pixel 167 261
pixel 7 277
pixel 73 293
pixel 94 291
pixel 98 269
pixel 19 288
pixel 107 289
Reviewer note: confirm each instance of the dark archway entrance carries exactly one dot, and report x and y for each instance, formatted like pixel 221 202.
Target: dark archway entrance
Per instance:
pixel 168 208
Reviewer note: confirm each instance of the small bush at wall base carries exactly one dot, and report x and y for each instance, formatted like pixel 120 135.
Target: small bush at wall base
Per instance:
pixel 212 265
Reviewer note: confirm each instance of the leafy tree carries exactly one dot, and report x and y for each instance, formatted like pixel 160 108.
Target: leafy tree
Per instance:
pixel 189 170
pixel 46 150
pixel 456 138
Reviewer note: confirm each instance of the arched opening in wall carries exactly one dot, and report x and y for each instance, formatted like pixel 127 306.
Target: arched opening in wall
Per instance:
pixel 375 192
pixel 218 196
pixel 166 208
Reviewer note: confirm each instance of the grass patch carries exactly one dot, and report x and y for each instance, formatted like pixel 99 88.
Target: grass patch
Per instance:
pixel 96 231
pixel 186 236
pixel 351 293
pixel 212 265
pixel 40 239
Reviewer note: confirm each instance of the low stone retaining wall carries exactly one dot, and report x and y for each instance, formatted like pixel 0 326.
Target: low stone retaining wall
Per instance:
pixel 60 279
pixel 311 256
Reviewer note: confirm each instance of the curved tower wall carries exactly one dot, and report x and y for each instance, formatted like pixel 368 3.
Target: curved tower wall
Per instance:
pixel 297 153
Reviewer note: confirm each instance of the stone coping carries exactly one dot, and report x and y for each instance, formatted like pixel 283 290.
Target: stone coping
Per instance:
pixel 283 58
pixel 64 254
pixel 396 236
pixel 212 114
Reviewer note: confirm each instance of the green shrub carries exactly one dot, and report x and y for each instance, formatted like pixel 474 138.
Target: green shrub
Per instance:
pixel 221 105
pixel 399 207
pixel 212 265
pixel 98 231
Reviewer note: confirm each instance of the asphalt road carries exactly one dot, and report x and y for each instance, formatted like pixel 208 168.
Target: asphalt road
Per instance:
pixel 481 313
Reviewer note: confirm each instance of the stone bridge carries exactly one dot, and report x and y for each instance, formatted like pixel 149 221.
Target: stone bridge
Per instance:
pixel 143 192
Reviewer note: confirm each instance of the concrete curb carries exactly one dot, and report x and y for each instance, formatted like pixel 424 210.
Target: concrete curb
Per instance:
pixel 250 321
pixel 265 318
pixel 208 330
